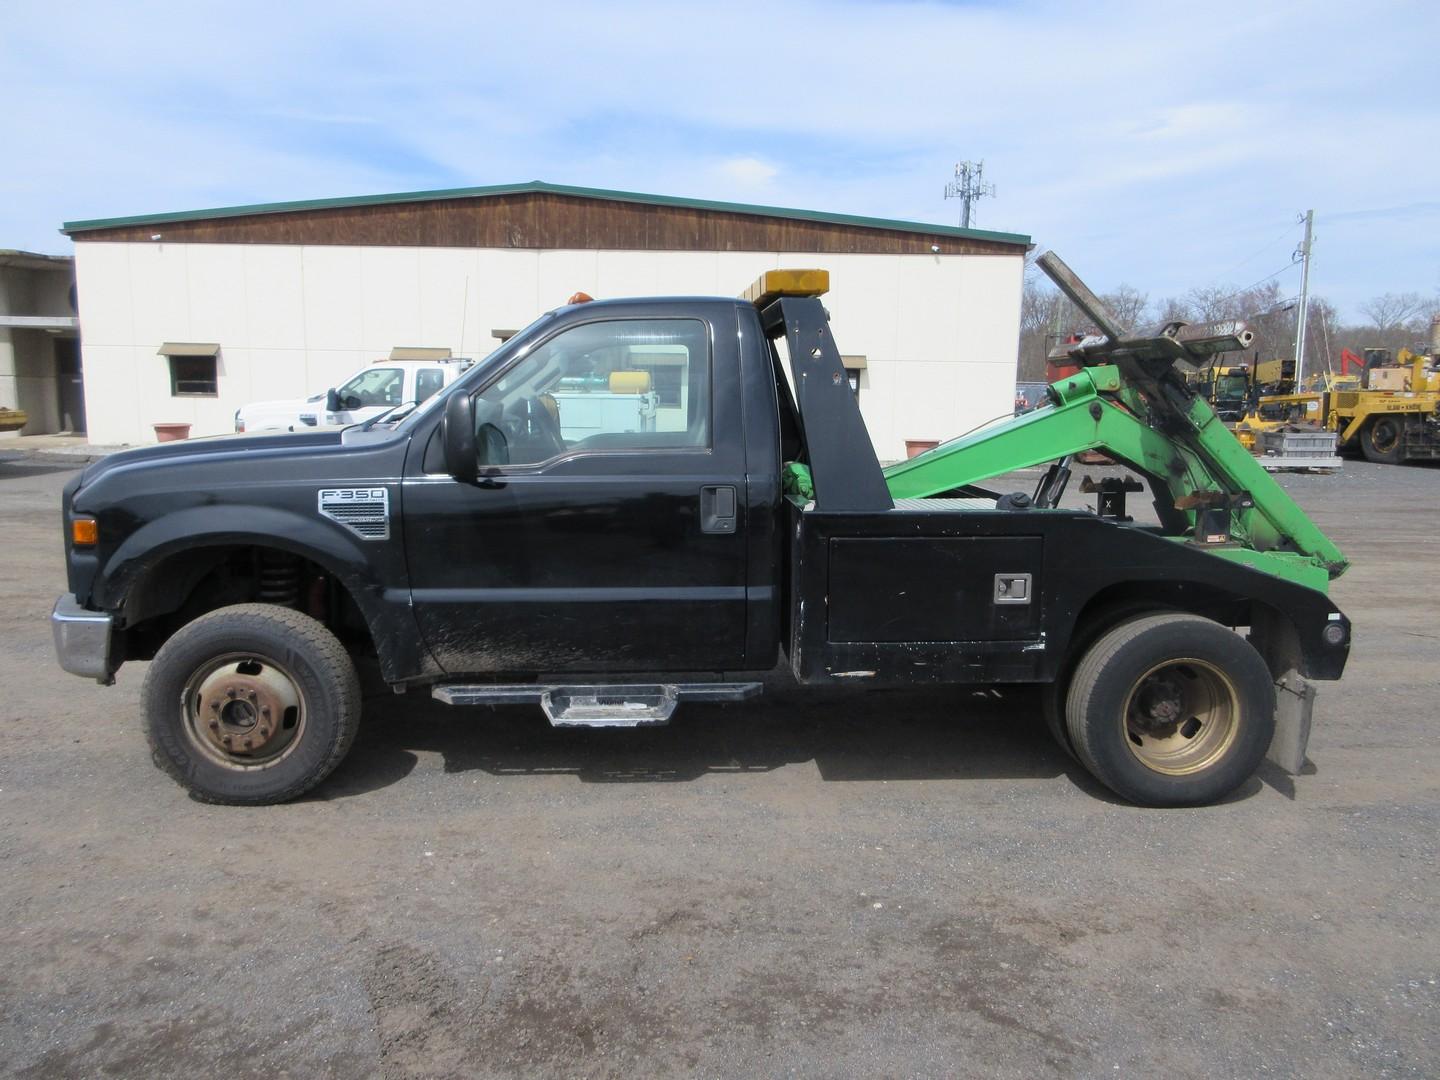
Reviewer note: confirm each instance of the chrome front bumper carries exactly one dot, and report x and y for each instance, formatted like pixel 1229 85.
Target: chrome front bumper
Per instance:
pixel 82 639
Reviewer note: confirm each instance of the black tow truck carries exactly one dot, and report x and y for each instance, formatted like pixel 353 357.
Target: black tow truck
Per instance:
pixel 630 505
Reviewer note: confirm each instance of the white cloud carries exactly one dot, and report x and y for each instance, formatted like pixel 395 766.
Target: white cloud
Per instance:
pixel 747 171
pixel 1142 146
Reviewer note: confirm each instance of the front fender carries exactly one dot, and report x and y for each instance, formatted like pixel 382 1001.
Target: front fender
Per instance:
pixel 384 604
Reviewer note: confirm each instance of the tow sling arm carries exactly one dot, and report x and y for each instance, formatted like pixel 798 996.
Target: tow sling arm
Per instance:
pixel 1129 401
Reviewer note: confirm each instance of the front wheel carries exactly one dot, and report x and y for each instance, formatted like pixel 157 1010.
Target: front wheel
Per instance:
pixel 251 704
pixel 1171 710
pixel 1382 440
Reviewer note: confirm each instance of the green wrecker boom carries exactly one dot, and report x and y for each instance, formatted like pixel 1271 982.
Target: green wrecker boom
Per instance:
pixel 1129 401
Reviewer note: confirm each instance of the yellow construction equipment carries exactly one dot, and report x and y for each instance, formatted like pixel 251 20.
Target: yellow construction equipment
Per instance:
pixel 1394 416
pixel 1226 387
pixel 1390 413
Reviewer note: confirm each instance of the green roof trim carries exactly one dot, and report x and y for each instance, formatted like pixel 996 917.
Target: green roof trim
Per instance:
pixel 70 228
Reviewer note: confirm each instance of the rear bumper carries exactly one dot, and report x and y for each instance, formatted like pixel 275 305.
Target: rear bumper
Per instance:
pixel 82 639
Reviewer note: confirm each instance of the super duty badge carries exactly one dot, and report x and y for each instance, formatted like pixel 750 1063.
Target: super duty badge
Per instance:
pixel 364 511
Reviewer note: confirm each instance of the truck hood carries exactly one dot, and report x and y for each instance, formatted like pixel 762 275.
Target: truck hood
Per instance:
pixel 236 446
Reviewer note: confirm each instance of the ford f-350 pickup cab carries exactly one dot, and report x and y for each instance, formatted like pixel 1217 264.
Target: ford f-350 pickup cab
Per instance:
pixel 489 547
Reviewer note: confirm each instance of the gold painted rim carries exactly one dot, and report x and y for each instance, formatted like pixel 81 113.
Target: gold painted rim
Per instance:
pixel 1181 716
pixel 1385 445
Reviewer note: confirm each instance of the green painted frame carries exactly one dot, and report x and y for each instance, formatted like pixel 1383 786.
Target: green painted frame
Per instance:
pixel 1095 409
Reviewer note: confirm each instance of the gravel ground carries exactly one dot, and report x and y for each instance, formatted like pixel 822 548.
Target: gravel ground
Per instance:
pixel 898 884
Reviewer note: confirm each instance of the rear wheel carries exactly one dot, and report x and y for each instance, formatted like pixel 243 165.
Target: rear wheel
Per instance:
pixel 1383 440
pixel 1171 710
pixel 251 704
pixel 1096 623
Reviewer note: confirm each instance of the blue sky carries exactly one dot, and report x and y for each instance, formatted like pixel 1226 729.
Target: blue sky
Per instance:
pixel 1163 145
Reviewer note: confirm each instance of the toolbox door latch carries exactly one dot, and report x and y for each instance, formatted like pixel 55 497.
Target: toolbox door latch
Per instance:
pixel 1013 588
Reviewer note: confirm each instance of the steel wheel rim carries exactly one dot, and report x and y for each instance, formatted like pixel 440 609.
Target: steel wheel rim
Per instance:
pixel 267 708
pixel 1181 716
pixel 1385 435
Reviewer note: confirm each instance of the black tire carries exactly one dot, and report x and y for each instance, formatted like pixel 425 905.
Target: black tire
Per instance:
pixel 1052 696
pixel 1052 707
pixel 1382 440
pixel 280 651
pixel 1165 754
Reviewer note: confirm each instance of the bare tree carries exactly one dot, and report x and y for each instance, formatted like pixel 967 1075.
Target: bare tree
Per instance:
pixel 1322 350
pixel 1271 316
pixel 1211 303
pixel 1047 317
pixel 1039 306
pixel 1173 309
pixel 1129 306
pixel 1395 311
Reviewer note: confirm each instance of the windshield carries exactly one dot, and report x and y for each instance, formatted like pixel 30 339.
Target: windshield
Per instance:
pixel 1231 386
pixel 517 342
pixel 373 386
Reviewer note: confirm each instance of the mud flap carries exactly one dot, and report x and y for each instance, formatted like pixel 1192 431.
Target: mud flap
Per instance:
pixel 1294 704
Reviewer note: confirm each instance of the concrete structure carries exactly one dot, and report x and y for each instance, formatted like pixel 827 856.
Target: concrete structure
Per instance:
pixel 188 316
pixel 39 343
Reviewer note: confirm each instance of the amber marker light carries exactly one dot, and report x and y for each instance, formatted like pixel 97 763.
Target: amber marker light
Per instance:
pixel 84 532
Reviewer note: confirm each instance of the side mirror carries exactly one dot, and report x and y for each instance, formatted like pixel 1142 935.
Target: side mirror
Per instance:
pixel 457 431
pixel 332 400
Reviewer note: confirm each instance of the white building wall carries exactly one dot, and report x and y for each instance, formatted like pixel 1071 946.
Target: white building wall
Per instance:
pixel 938 332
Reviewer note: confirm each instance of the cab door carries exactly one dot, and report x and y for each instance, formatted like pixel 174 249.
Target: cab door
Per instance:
pixel 607 531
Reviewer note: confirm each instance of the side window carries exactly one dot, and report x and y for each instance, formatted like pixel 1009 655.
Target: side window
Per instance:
pixel 427 381
pixel 626 384
pixel 374 386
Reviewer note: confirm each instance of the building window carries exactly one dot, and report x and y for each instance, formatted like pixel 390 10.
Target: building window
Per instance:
pixel 193 376
pixel 194 368
pixel 854 365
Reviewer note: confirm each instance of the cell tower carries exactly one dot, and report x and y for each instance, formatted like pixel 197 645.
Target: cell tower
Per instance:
pixel 969 187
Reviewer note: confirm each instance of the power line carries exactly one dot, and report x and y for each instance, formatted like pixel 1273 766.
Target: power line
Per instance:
pixel 1249 258
pixel 1253 284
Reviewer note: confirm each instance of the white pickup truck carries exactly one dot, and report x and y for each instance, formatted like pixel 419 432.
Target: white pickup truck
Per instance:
pixel 369 392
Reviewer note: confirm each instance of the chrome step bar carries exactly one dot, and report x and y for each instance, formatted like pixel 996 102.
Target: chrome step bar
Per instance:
pixel 615 705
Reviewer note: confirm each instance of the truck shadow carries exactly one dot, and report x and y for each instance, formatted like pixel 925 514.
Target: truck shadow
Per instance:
pixel 22 467
pixel 949 734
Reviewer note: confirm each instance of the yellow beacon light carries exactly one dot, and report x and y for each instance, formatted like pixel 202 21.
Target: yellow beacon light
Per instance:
pixel 774 284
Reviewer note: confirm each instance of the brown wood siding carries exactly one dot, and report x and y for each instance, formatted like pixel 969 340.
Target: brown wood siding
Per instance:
pixel 541 220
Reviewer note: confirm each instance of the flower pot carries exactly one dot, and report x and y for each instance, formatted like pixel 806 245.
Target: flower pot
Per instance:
pixel 916 447
pixel 171 432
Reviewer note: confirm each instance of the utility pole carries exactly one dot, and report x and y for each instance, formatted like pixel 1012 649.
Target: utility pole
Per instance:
pixel 1300 319
pixel 969 187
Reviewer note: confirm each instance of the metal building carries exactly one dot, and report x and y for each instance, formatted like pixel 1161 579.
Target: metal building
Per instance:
pixel 187 316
